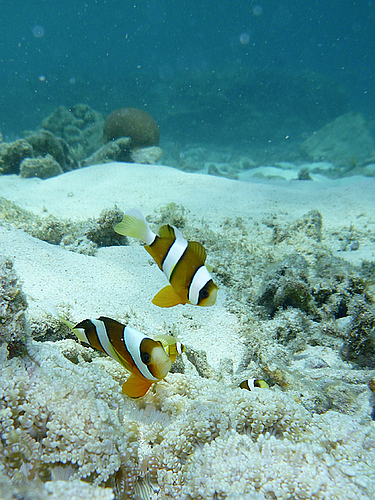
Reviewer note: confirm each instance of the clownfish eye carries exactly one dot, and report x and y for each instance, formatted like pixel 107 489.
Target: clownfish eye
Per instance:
pixel 146 358
pixel 204 294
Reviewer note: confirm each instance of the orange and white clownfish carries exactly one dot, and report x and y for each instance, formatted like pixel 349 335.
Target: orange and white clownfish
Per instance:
pixel 252 383
pixel 182 262
pixel 145 358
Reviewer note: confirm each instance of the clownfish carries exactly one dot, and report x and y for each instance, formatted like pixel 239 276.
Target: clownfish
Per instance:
pixel 252 383
pixel 182 262
pixel 147 360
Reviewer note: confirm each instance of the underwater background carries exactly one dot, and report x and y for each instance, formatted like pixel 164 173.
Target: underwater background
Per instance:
pixel 263 74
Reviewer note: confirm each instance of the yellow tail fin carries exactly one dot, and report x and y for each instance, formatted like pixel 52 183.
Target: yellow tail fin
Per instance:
pixel 167 297
pixel 135 225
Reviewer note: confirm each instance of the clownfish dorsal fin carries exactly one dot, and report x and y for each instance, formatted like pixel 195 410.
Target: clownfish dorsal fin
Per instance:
pixel 167 297
pixel 136 226
pixel 167 232
pixel 111 322
pixel 199 250
pixel 136 386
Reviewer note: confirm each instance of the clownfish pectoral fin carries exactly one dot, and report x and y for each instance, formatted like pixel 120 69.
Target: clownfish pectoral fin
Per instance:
pixel 167 297
pixel 136 386
pixel 199 250
pixel 135 225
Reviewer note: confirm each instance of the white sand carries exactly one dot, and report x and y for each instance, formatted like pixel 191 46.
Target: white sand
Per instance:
pixel 86 192
pixel 121 280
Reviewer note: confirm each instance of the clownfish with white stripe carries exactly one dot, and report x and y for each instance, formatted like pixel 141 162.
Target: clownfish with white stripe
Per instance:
pixel 182 262
pixel 252 383
pixel 148 360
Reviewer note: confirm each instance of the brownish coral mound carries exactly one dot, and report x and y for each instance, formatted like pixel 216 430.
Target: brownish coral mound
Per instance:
pixel 134 123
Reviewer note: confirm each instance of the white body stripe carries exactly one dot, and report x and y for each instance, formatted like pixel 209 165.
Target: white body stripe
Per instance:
pixel 179 347
pixel 200 278
pixel 251 384
pixel 132 339
pixel 102 334
pixel 175 253
pixel 81 334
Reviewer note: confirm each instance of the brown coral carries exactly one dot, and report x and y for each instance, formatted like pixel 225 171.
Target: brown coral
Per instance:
pixel 11 155
pixel 134 123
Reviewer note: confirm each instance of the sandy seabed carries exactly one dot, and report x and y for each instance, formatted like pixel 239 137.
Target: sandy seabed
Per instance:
pixel 119 279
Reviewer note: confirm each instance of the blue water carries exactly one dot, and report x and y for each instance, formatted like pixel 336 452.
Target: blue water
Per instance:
pixel 198 67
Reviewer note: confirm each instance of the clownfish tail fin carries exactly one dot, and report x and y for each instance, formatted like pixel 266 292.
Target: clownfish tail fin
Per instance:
pixel 136 226
pixel 69 324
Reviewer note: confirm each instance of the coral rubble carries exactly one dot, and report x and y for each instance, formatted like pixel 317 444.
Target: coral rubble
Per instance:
pixel 82 237
pixel 12 154
pixel 80 126
pixel 41 155
pixel 306 321
pixel 13 305
pixel 40 167
pixel 45 143
pixel 346 142
pixel 117 150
